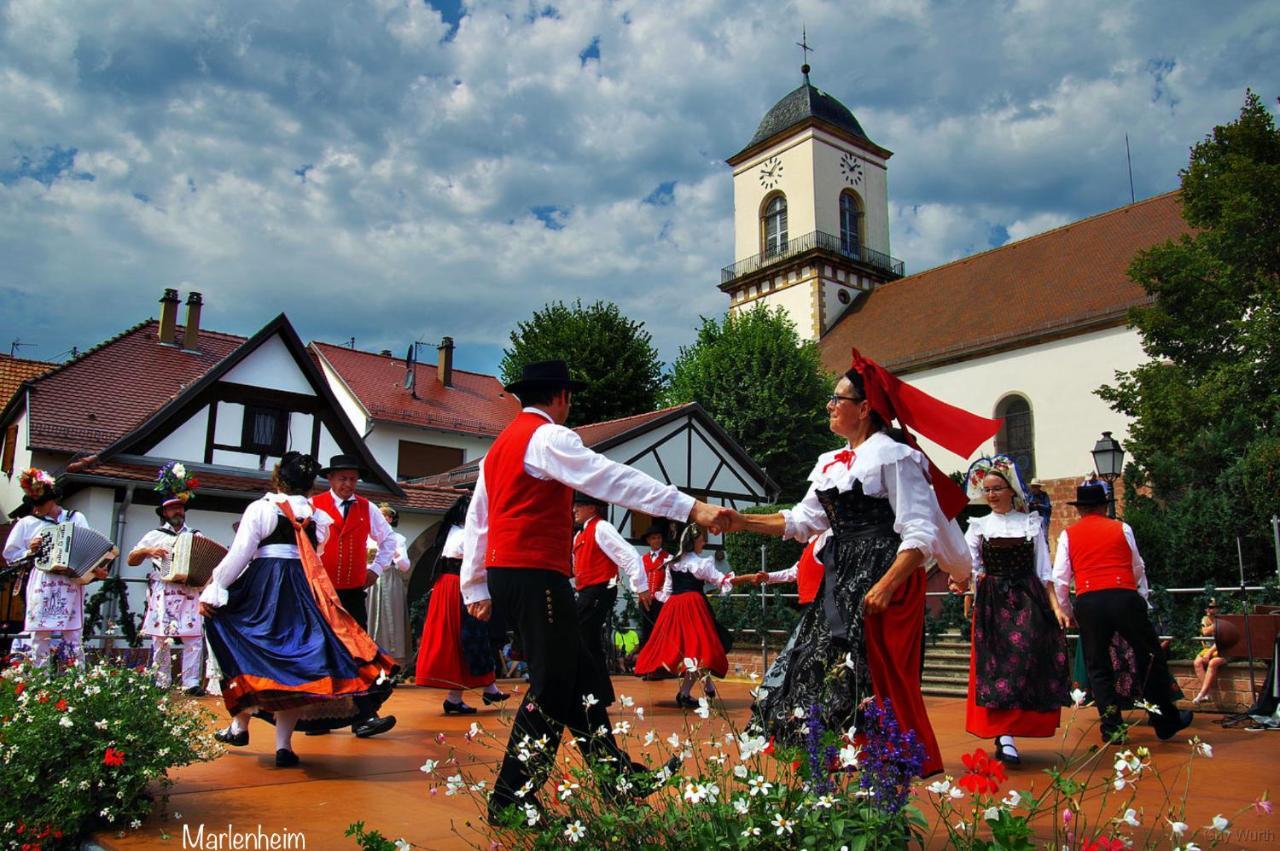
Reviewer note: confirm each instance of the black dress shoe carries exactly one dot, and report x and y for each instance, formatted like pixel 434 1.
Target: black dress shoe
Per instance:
pixel 317 732
pixel 684 701
pixel 195 691
pixel 495 697
pixel 1167 730
pixel 458 708
pixel 1007 754
pixel 373 726
pixel 286 758
pixel 236 740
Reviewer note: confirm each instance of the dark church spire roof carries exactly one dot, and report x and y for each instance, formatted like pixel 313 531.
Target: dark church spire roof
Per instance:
pixel 805 103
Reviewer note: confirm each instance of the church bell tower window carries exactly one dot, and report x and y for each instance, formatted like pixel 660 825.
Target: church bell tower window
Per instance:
pixel 850 224
pixel 775 225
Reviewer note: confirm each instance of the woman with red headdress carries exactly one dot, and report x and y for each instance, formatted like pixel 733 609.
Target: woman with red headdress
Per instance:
pixel 862 638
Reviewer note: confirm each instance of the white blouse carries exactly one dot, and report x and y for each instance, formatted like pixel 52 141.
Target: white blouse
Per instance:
pixel 259 521
pixel 454 543
pixel 893 471
pixel 703 567
pixel 1013 524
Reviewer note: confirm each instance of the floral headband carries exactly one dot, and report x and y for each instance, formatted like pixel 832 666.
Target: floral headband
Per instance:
pixel 35 483
pixel 175 484
pixel 998 465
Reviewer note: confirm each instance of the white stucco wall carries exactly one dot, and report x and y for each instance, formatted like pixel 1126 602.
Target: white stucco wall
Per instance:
pixel 384 442
pixel 350 405
pixel 272 366
pixel 1058 379
pixel 10 490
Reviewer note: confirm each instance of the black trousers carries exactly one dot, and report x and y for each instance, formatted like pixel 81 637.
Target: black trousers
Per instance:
pixel 1101 614
pixel 595 613
pixel 354 601
pixel 540 605
pixel 648 617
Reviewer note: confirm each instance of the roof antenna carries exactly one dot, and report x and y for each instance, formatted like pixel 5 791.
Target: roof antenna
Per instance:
pixel 1129 160
pixel 803 44
pixel 18 344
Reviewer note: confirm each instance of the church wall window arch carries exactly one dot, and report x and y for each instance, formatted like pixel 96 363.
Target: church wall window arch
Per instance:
pixel 851 224
pixel 1016 437
pixel 773 224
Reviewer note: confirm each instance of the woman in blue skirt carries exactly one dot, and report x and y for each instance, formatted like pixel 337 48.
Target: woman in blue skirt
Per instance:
pixel 287 649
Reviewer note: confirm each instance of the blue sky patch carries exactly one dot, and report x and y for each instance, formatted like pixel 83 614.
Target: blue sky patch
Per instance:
pixel 550 215
pixel 663 195
pixel 591 51
pixel 44 167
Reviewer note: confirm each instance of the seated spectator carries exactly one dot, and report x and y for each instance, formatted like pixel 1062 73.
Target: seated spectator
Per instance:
pixel 513 663
pixel 1207 661
pixel 627 644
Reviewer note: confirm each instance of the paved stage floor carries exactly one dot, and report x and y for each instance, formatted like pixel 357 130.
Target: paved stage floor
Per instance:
pixel 343 779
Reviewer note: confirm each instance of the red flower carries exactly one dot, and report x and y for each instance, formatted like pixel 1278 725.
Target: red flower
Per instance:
pixel 768 749
pixel 193 483
pixel 42 697
pixel 113 757
pixel 19 689
pixel 1104 845
pixel 61 705
pixel 984 774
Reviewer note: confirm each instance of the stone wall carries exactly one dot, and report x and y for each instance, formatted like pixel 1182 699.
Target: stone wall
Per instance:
pixel 1231 692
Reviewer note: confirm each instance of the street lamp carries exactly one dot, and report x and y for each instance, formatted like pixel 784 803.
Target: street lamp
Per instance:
pixel 1108 460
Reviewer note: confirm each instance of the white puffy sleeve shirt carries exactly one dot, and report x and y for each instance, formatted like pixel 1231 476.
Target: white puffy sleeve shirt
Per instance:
pixel 893 471
pixel 703 567
pixel 1013 524
pixel 259 521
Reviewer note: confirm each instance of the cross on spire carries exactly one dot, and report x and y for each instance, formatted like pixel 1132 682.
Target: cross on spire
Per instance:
pixel 803 44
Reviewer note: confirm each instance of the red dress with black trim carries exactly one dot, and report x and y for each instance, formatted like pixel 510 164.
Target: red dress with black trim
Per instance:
pixel 686 627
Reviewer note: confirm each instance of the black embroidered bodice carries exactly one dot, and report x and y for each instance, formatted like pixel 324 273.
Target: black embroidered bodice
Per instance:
pixel 1008 556
pixel 853 514
pixel 283 533
pixel 682 582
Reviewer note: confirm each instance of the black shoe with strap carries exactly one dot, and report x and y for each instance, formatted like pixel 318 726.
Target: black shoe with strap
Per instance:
pixel 1177 720
pixel 286 758
pixel 229 737
pixel 373 726
pixel 495 697
pixel 459 708
pixel 1006 752
pixel 685 701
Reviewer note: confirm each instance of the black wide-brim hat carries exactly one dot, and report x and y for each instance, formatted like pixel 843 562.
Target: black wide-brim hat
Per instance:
pixel 344 462
pixel 580 498
pixel 1088 495
pixel 546 374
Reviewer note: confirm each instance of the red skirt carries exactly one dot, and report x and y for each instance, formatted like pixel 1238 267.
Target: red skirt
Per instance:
pixel 684 630
pixel 989 723
pixel 440 660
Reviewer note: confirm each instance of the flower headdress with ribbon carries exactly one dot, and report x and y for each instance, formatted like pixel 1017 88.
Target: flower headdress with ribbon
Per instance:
pixel 997 465
pixel 175 484
pixel 950 427
pixel 36 483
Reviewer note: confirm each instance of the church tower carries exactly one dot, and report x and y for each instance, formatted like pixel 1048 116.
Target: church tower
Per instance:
pixel 811 213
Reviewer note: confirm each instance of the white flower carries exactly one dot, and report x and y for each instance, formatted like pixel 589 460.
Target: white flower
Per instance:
pixel 824 802
pixel 1220 824
pixel 782 824
pixel 704 708
pixel 179 471
pixel 741 806
pixel 1178 827
pixel 622 728
pixel 1012 799
pixel 798 713
pixel 1190 846
pixel 751 831
pixel 754 676
pixel 674 740
pixel 1130 818
pixel 530 815
pixel 956 792
pixel 740 771
pixel 849 662
pixel 525 789
pixel 1202 748
pixel 588 702
pixel 1077 697
pixel 479 785
pixel 650 737
pixel 135 824
pixel 1118 783
pixel 575 831
pixel 749 745
pixel 849 756
pixel 403 844
pixel 939 787
pixel 475 730
pixel 101 725
pixel 454 785
pixel 759 786
pixel 640 712
pixel 694 792
pixel 624 785
pixel 566 789
pixel 991 814
pixel 1150 707
pixel 690 664
pixel 64 721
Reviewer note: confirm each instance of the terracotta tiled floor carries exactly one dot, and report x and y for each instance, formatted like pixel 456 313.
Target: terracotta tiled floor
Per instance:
pixel 344 779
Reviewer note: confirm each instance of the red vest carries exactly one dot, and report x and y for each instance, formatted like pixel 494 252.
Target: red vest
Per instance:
pixel 530 520
pixel 591 565
pixel 346 552
pixel 1100 555
pixel 809 574
pixel 655 568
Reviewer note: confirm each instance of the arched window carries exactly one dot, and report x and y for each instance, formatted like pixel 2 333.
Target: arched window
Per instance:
pixel 850 224
pixel 1016 437
pixel 775 225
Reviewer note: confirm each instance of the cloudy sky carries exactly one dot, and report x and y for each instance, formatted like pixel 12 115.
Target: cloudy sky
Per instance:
pixel 396 170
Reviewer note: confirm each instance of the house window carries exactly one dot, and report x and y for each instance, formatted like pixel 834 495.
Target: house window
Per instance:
pixel 10 447
pixel 775 225
pixel 265 430
pixel 850 224
pixel 1016 437
pixel 416 460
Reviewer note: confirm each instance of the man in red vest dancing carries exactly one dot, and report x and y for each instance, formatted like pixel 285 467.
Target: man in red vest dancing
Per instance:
pixel 519 541
pixel 345 554
pixel 655 571
pixel 1111 591
pixel 599 551
pixel 807 572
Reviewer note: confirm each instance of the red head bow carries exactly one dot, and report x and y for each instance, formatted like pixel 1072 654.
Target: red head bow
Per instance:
pixel 916 411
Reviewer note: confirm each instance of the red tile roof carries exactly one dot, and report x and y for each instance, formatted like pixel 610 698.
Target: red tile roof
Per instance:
pixel 14 371
pixel 1062 282
pixel 92 401
pixel 474 404
pixel 594 434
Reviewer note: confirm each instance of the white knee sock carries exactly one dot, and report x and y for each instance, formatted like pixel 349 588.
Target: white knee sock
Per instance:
pixel 285 722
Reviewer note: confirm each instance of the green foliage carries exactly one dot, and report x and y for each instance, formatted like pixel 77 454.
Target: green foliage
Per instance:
pixel 764 386
pixel 602 346
pixel 1204 408
pixel 79 749
pixel 742 549
pixel 372 840
pixel 113 587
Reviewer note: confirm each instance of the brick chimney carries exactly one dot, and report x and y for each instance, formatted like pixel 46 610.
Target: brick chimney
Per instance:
pixel 168 317
pixel 191 330
pixel 444 362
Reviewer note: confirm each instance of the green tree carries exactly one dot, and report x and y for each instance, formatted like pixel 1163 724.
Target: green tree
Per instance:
pixel 1204 408
pixel 601 346
pixel 767 388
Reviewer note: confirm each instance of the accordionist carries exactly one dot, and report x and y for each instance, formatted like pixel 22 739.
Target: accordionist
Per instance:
pixel 55 603
pixel 173 608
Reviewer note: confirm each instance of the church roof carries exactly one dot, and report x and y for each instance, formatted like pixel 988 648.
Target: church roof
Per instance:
pixel 805 103
pixel 1067 281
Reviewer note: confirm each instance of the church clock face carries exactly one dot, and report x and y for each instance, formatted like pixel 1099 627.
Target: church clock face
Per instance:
pixel 851 168
pixel 770 172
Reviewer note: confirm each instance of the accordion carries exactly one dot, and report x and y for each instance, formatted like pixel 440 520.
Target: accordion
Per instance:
pixel 194 558
pixel 74 550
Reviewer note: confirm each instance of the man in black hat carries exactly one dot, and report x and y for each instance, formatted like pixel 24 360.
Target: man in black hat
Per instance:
pixel 1111 589
pixel 599 554
pixel 354 521
pixel 519 538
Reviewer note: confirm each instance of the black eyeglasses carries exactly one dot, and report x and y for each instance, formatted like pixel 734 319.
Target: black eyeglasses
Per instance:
pixel 994 490
pixel 836 398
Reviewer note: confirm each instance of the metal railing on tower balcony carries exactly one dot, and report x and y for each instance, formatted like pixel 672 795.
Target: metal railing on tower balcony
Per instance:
pixel 810 242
